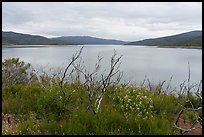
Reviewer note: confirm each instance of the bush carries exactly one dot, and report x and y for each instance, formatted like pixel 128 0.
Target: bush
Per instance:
pixel 15 71
pixel 135 101
pixel 42 108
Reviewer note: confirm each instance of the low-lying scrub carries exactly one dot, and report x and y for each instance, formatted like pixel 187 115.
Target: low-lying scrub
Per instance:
pixel 43 109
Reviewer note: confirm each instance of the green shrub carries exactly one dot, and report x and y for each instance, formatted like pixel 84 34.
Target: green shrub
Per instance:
pixel 135 101
pixel 15 71
pixel 43 108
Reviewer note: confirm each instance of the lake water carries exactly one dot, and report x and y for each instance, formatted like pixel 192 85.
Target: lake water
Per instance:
pixel 157 64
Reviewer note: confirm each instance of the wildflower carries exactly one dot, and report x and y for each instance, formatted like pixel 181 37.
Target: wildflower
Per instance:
pixel 144 109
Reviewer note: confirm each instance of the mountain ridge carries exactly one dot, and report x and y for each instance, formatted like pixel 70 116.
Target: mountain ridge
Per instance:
pixel 168 40
pixel 187 38
pixel 14 38
pixel 89 40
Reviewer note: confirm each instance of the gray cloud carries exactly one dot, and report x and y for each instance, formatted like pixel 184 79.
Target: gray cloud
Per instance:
pixel 118 20
pixel 13 16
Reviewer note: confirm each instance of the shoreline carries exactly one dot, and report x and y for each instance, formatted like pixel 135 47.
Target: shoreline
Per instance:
pixel 32 46
pixel 183 47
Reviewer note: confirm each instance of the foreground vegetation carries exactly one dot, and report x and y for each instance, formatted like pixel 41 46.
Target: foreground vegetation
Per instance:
pixel 45 105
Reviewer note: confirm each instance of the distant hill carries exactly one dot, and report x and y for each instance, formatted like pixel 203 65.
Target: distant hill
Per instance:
pixel 13 38
pixel 89 40
pixel 196 41
pixel 193 37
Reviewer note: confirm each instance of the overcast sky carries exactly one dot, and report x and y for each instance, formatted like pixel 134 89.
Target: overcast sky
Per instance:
pixel 117 20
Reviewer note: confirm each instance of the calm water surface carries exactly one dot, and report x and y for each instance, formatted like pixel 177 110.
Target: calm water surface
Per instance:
pixel 157 64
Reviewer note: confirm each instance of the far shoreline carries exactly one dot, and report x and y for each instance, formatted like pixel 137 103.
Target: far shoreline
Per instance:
pixel 33 46
pixel 183 47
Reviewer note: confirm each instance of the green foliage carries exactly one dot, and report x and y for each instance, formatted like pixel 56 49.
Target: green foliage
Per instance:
pixel 42 108
pixel 46 111
pixel 15 71
pixel 136 102
pixel 196 102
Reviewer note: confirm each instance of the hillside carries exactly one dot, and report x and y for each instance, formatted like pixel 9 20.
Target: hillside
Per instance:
pixel 89 40
pixel 179 39
pixel 197 41
pixel 193 38
pixel 13 38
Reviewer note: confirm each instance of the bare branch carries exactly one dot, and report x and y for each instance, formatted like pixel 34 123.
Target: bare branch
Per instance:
pixel 144 81
pixel 74 58
pixel 189 72
pixel 168 87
